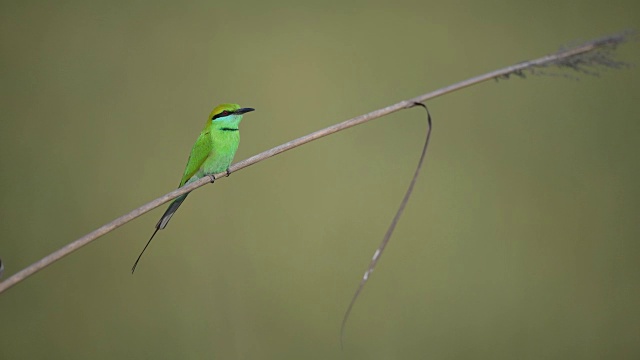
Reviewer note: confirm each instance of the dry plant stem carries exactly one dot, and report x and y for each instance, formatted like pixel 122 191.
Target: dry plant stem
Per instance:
pixel 564 58
pixel 387 236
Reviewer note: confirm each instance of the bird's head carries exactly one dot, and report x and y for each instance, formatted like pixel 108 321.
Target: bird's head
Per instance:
pixel 228 114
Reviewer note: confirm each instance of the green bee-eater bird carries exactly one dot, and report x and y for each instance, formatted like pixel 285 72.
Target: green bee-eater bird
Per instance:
pixel 211 154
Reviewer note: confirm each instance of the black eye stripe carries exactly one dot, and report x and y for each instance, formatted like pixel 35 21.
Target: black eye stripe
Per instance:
pixel 222 114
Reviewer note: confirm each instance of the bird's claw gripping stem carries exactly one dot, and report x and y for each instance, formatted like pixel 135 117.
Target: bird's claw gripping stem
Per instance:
pixel 213 177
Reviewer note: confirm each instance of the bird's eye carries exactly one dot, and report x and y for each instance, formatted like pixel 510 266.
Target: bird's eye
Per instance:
pixel 222 114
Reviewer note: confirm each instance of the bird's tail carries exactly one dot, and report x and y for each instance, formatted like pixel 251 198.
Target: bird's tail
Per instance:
pixel 162 223
pixel 164 220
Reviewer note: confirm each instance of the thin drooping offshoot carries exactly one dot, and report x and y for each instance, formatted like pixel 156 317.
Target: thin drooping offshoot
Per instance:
pixel 385 240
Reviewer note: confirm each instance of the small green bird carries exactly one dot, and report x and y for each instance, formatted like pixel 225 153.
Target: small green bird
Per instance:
pixel 212 153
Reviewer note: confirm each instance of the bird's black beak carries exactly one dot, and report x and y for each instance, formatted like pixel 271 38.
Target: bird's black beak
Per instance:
pixel 243 111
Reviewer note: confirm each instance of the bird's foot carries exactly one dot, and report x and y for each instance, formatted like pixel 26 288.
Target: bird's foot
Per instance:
pixel 213 178
pixel 228 172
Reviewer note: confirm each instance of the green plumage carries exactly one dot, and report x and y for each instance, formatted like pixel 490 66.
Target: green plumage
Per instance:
pixel 212 153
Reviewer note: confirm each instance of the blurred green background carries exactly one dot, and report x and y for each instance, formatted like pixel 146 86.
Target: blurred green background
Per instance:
pixel 521 240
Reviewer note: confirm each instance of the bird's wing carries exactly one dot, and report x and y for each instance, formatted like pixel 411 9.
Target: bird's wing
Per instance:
pixel 199 153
